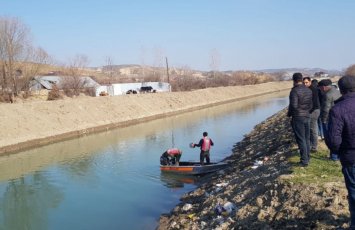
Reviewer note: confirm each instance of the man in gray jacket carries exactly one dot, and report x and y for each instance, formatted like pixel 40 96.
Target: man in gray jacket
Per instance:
pixel 299 109
pixel 330 94
pixel 315 112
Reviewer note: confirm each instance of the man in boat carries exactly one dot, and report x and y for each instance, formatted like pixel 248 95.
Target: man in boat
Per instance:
pixel 205 146
pixel 171 156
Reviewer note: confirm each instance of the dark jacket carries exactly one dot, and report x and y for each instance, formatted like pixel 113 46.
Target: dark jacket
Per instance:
pixel 341 135
pixel 300 101
pixel 315 97
pixel 327 102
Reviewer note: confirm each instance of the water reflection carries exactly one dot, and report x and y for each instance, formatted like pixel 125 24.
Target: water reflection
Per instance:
pixel 81 171
pixel 171 180
pixel 26 202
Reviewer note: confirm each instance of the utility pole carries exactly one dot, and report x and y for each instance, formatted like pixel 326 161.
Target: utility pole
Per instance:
pixel 167 68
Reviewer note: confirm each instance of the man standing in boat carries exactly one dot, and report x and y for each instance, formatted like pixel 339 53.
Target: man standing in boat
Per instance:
pixel 171 156
pixel 205 146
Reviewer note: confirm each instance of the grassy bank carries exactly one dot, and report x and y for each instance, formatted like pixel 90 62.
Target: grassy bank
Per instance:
pixel 321 170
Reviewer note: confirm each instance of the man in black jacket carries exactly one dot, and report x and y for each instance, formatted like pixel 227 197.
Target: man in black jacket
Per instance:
pixel 299 109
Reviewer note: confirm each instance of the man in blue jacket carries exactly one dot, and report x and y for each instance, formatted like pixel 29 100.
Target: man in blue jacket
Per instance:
pixel 341 136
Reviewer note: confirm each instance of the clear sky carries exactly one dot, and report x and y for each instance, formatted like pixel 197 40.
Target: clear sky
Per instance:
pixel 237 34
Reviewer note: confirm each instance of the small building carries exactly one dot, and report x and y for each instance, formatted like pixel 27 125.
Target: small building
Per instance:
pixel 321 74
pixel 47 82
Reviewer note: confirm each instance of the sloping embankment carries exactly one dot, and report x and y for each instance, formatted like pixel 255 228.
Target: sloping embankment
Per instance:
pixel 32 124
pixel 261 196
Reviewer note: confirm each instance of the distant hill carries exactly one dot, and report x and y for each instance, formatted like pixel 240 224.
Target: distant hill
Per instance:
pixel 307 71
pixel 139 70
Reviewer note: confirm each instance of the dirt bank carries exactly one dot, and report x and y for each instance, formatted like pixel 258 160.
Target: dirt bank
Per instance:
pixel 31 124
pixel 255 191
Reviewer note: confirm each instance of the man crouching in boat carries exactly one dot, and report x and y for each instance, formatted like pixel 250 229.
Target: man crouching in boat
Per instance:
pixel 171 157
pixel 205 145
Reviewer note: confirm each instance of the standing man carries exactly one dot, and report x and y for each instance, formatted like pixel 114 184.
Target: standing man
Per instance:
pixel 314 114
pixel 320 94
pixel 341 136
pixel 299 109
pixel 205 146
pixel 330 95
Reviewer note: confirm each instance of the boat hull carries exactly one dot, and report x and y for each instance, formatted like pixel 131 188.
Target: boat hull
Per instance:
pixel 193 168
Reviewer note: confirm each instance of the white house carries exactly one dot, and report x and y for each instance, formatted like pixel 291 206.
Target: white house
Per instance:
pixel 123 88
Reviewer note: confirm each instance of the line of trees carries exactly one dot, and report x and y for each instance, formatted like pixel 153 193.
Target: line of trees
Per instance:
pixel 217 79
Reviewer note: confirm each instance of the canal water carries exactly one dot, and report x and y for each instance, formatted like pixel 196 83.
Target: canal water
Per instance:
pixel 112 180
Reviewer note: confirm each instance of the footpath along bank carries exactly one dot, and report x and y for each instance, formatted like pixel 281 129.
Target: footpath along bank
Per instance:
pixel 265 189
pixel 31 124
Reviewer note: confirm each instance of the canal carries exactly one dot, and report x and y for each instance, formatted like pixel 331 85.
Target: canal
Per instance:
pixel 112 180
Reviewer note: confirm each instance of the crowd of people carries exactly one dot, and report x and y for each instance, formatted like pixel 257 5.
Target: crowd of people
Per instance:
pixel 321 110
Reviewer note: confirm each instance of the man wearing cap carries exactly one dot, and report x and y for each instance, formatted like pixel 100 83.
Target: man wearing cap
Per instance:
pixel 299 109
pixel 341 136
pixel 330 95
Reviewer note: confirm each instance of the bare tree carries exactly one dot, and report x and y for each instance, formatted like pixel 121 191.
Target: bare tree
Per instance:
pixel 158 62
pixel 73 83
pixel 142 50
pixel 77 65
pixel 19 60
pixel 184 70
pixel 109 66
pixel 37 58
pixel 350 70
pixel 14 43
pixel 215 61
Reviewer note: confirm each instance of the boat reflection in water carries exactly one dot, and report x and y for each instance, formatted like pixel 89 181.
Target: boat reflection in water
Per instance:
pixel 193 168
pixel 178 181
pixel 173 180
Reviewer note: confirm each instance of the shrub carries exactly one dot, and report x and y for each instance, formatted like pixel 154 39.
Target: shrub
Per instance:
pixel 90 92
pixel 6 97
pixel 54 94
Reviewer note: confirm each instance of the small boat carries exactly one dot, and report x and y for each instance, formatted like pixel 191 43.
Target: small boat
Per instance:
pixel 193 168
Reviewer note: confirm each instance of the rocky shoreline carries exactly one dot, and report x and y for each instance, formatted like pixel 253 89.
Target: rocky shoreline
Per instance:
pixel 253 192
